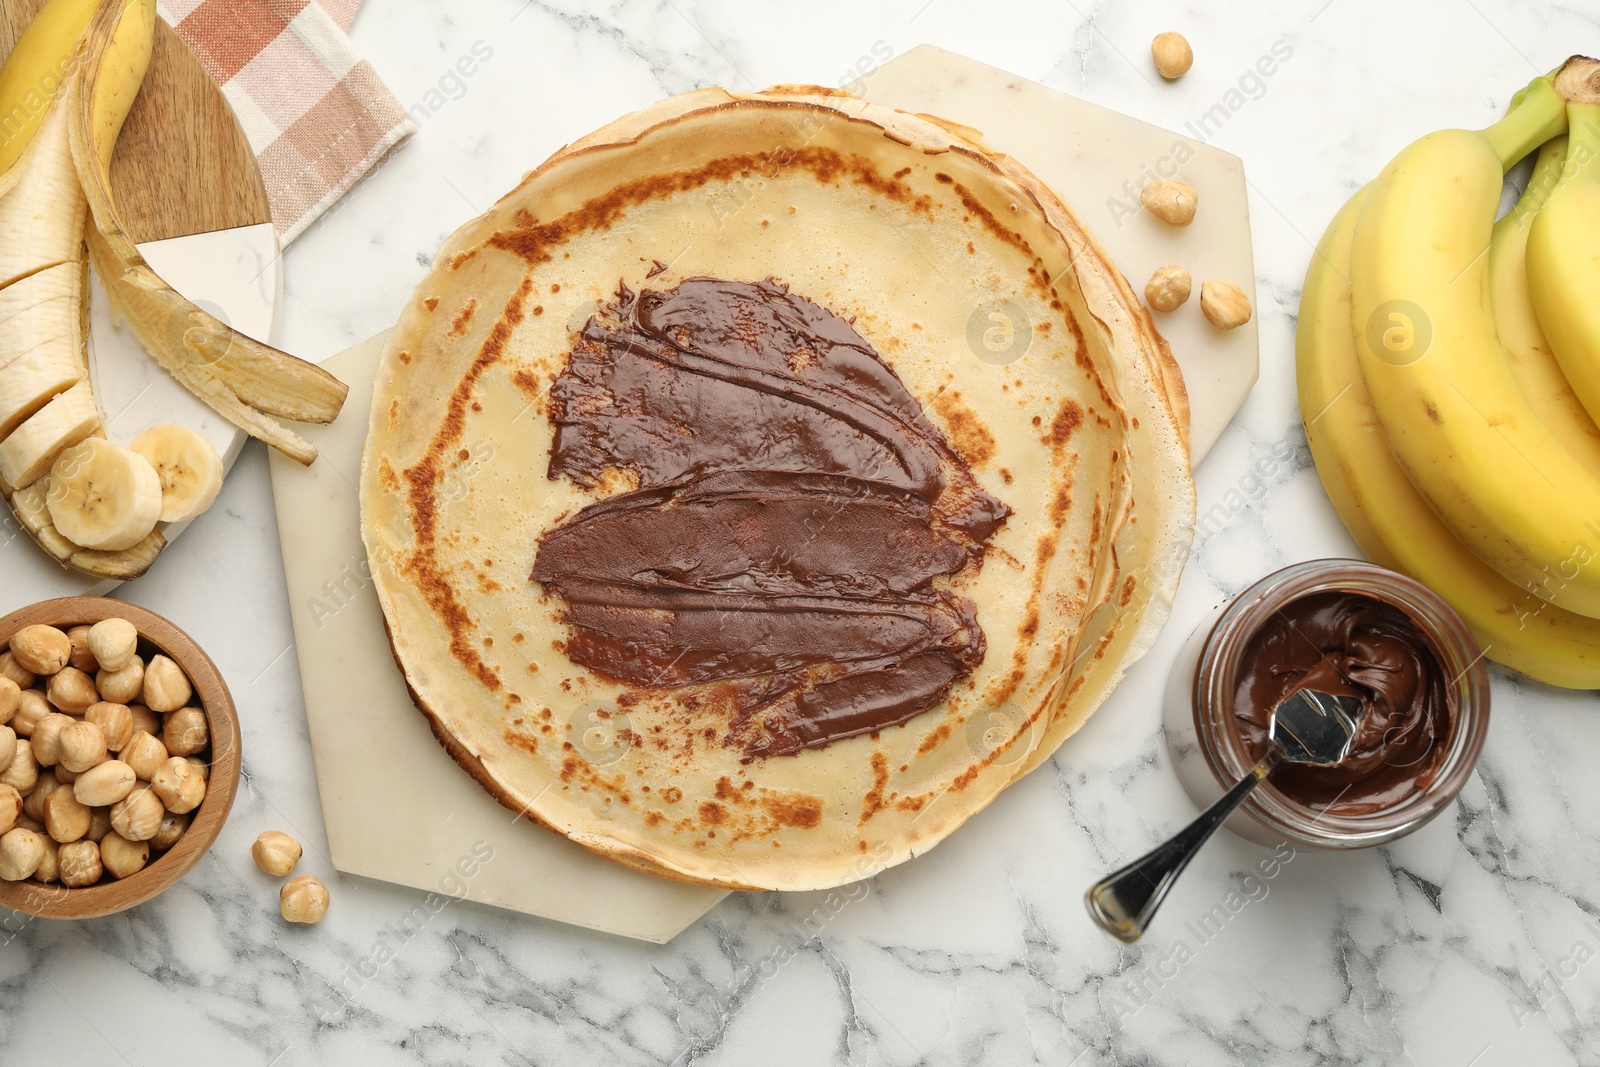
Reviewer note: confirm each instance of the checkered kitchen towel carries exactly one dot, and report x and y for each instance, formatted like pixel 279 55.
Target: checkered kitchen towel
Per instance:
pixel 315 112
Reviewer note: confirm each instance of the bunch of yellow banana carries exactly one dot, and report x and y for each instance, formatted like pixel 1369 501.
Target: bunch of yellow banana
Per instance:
pixel 95 505
pixel 1449 375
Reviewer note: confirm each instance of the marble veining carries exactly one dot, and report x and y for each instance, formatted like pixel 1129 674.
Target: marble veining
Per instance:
pixel 1474 942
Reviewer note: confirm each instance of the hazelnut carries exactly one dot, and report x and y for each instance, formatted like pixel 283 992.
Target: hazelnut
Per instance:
pixel 66 818
pixel 105 784
pixel 1171 202
pixel 10 698
pixel 8 746
pixel 99 824
pixel 82 745
pixel 1172 54
pixel 78 864
pixel 46 737
pixel 71 690
pixel 144 754
pixel 64 776
pixel 185 732
pixel 115 722
pixel 144 719
pixel 137 816
pixel 23 771
pixel 27 822
pixel 166 687
pixel 10 668
pixel 11 808
pixel 301 900
pixel 114 642
pixel 21 852
pixel 276 853
pixel 41 649
pixel 121 857
pixel 33 803
pixel 49 863
pixel 33 707
pixel 172 827
pixel 82 655
pixel 181 790
pixel 124 685
pixel 1167 288
pixel 201 767
pixel 1224 304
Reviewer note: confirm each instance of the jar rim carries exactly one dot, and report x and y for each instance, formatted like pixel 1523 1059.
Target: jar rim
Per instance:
pixel 1212 700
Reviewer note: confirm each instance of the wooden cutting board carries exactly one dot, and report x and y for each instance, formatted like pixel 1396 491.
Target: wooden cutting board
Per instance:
pixel 183 165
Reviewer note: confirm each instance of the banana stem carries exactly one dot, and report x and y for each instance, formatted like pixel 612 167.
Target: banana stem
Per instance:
pixel 1583 142
pixel 1539 116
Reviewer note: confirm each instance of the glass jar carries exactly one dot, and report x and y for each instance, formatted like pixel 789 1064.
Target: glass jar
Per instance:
pixel 1210 757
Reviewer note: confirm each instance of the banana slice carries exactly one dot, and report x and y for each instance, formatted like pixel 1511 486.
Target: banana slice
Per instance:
pixel 190 469
pixel 26 455
pixel 40 308
pixel 102 496
pixel 32 380
pixel 30 505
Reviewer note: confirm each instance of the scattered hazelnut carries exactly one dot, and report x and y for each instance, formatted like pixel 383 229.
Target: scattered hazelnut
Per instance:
pixel 33 803
pixel 301 900
pixel 137 816
pixel 145 720
pixel 21 677
pixel 122 857
pixel 1167 288
pixel 1172 54
pixel 1224 304
pixel 276 853
pixel 185 732
pixel 46 737
pixel 78 864
pixel 144 754
pixel 8 746
pixel 115 722
pixel 114 642
pixel 23 771
pixel 122 686
pixel 49 863
pixel 65 817
pixel 82 655
pixel 41 649
pixel 106 784
pixel 166 687
pixel 1171 202
pixel 71 690
pixel 181 790
pixel 21 852
pixel 172 827
pixel 11 809
pixel 32 708
pixel 82 745
pixel 10 698
pixel 99 824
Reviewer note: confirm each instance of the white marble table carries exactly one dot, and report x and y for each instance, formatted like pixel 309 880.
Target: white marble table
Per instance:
pixel 1471 943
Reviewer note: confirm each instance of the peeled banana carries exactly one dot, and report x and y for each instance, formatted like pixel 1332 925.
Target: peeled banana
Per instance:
pixel 1451 409
pixel 92 504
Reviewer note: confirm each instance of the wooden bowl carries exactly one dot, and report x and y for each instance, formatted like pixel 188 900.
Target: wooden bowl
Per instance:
pixel 106 898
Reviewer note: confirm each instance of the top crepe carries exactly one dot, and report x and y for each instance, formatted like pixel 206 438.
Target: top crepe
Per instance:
pixel 1038 481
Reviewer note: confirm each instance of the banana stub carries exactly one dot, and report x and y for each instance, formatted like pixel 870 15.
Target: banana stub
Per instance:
pixel 189 468
pixel 103 496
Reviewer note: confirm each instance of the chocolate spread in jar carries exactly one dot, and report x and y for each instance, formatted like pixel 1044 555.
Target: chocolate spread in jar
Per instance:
pixel 794 510
pixel 1355 645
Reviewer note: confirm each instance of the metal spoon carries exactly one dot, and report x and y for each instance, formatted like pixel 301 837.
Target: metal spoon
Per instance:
pixel 1307 726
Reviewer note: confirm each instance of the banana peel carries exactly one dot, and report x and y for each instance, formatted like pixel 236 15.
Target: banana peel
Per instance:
pixel 246 382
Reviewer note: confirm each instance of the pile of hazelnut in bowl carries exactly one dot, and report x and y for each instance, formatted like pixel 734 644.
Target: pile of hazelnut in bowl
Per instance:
pixel 119 756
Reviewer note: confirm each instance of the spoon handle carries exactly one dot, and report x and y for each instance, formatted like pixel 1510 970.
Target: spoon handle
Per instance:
pixel 1125 901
